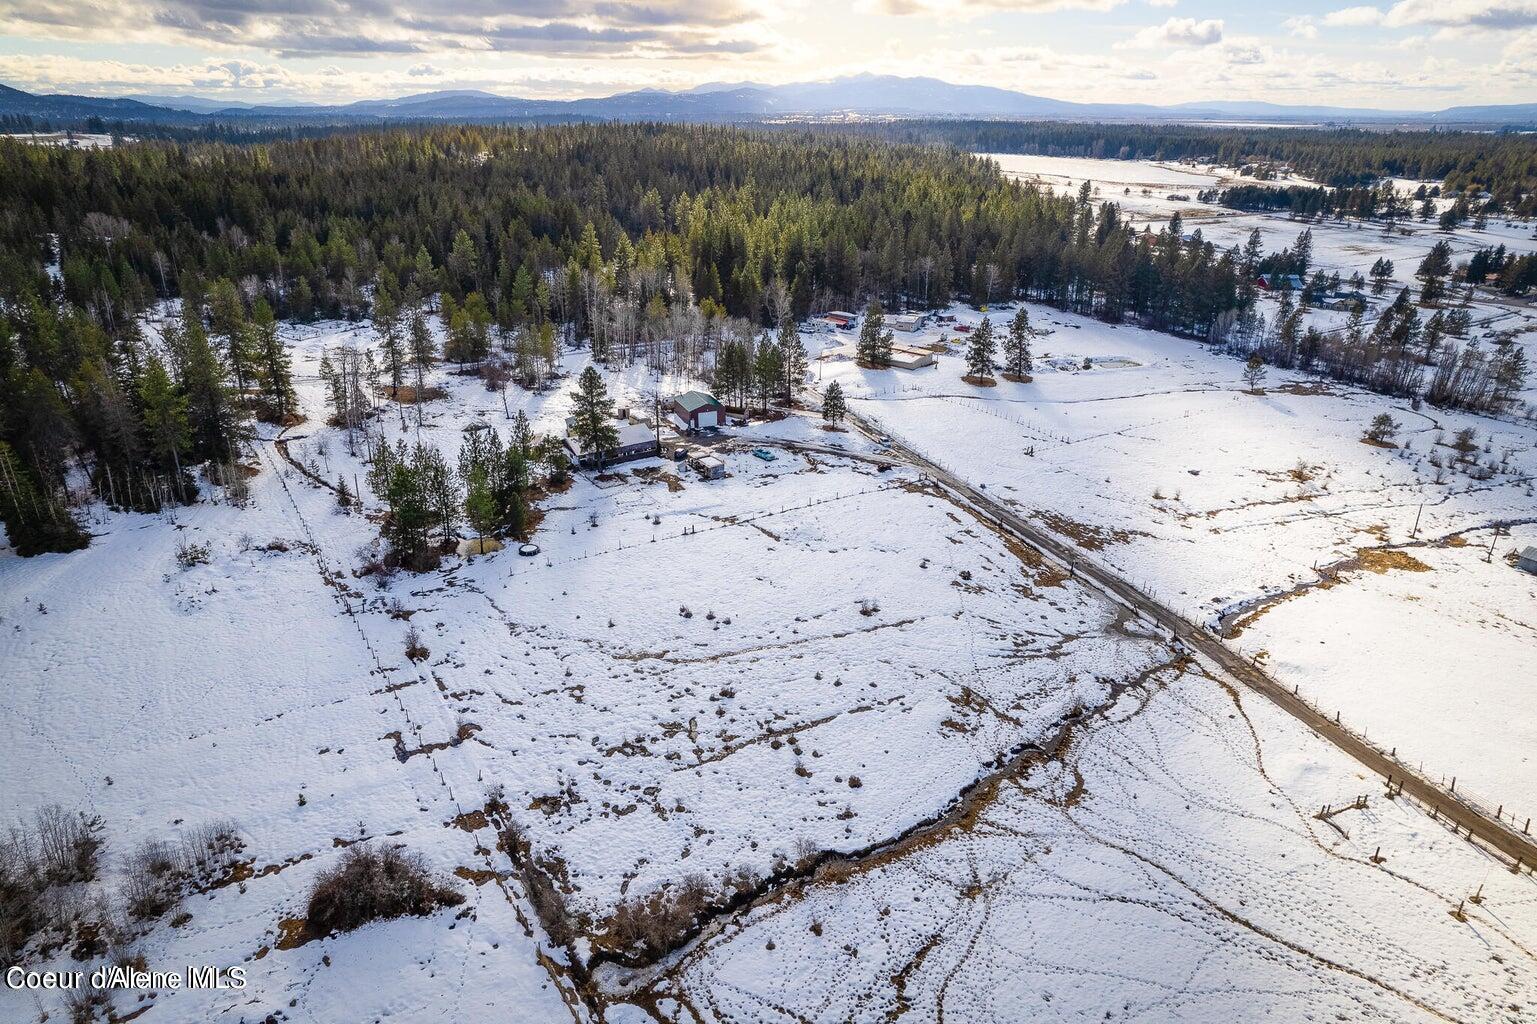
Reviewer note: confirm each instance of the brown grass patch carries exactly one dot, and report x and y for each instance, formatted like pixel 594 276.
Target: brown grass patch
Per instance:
pixel 1380 560
pixel 471 821
pixel 406 394
pixel 1378 444
pixel 1377 530
pixel 1018 378
pixel 1086 535
pixel 293 932
pixel 980 382
pixel 1300 388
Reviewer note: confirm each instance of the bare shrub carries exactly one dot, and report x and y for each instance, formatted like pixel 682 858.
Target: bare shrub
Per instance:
pixel 658 923
pixel 68 845
pixel 415 649
pixel 208 851
pixel 86 1005
pixel 374 884
pixel 21 890
pixel 549 904
pixel 151 883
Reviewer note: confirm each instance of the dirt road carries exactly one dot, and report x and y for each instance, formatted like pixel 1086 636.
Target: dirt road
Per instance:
pixel 1465 816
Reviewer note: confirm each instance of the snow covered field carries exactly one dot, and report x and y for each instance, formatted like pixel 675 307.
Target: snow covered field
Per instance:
pixel 1170 868
pixel 1143 189
pixel 1216 500
pixel 815 656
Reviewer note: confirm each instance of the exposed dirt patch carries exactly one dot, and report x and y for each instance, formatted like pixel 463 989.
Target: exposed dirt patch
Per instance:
pixel 1087 535
pixel 294 932
pixel 471 821
pixel 657 475
pixel 980 382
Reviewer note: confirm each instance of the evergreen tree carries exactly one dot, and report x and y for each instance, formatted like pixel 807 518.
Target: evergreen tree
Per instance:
pixel 874 347
pixel 388 327
pixel 833 406
pixel 793 352
pixel 36 517
pixel 167 432
pixel 1017 359
pixel 216 420
pixel 1254 372
pixel 1382 430
pixel 480 509
pixel 422 352
pixel 768 372
pixel 980 349
pixel 593 416
pixel 277 382
pixel 1381 273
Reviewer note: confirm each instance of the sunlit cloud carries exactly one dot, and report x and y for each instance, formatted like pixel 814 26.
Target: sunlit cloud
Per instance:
pixel 1177 32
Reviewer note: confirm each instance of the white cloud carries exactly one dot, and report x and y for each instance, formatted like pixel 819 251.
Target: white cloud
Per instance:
pixel 55 73
pixel 975 8
pixel 1485 14
pixel 1301 26
pixel 1176 32
pixel 589 28
pixel 1472 14
pixel 1353 17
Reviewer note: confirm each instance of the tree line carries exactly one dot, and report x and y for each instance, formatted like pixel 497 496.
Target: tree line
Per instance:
pixel 666 243
pixel 1503 164
pixel 693 248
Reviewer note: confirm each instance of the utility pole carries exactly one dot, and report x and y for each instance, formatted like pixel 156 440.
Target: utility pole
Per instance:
pixel 1415 532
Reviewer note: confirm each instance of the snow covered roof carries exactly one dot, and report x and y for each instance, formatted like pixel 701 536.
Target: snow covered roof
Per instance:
pixel 635 433
pixel 629 433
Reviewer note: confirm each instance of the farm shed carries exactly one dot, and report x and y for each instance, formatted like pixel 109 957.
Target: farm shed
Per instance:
pixel 696 410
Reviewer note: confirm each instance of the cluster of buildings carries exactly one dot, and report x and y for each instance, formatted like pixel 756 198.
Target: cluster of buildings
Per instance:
pixel 640 436
pixel 839 320
pixel 903 357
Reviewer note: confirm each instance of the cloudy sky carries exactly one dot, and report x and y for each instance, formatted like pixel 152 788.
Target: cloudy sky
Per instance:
pixel 1412 54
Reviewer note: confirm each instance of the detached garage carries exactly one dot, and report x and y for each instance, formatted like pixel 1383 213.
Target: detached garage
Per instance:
pixel 695 411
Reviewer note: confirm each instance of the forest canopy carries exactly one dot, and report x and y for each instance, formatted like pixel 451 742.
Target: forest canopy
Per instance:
pixel 1504 164
pixel 688 246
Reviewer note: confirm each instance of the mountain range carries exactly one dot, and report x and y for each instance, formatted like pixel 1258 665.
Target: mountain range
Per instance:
pixel 857 95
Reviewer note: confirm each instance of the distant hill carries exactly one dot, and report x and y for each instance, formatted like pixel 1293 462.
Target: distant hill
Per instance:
pixel 856 95
pixel 66 109
pixel 1509 113
pixel 192 104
